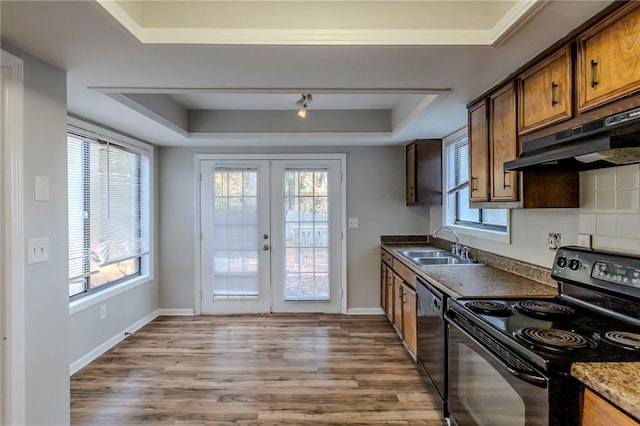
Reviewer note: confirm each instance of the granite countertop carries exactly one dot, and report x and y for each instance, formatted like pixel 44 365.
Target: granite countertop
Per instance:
pixel 472 280
pixel 619 382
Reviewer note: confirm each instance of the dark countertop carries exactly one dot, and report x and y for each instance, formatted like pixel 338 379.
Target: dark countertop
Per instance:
pixel 619 382
pixel 471 280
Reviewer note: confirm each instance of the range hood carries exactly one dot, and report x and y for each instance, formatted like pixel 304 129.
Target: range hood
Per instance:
pixel 606 142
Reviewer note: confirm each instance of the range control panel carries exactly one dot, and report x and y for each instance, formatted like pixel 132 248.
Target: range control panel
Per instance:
pixel 613 271
pixel 616 273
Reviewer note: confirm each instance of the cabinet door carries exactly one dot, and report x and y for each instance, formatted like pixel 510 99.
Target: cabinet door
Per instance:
pixel 409 319
pixel 390 304
pixel 545 92
pixel 598 412
pixel 410 158
pixel 609 58
pixel 478 152
pixel 398 287
pixel 503 141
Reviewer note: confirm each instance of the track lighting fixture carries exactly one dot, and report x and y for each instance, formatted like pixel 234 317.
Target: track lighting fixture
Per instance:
pixel 303 102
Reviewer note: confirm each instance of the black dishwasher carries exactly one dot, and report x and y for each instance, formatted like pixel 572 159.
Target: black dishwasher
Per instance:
pixel 432 341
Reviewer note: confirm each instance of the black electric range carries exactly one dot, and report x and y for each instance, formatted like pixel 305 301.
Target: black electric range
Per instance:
pixel 516 353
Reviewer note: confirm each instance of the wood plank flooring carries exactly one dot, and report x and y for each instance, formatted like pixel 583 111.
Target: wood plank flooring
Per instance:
pixel 255 370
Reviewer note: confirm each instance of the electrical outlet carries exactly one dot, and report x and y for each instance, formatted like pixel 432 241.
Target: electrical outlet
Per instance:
pixel 37 250
pixel 353 222
pixel 103 311
pixel 554 241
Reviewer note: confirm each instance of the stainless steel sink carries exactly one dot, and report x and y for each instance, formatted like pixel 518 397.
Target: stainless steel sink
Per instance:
pixel 423 253
pixel 432 257
pixel 443 260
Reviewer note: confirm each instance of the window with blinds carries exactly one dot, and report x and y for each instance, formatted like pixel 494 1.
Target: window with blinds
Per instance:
pixel 458 192
pixel 106 235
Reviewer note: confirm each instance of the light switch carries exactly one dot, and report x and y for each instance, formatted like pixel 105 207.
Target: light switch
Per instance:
pixel 42 188
pixel 37 250
pixel 353 222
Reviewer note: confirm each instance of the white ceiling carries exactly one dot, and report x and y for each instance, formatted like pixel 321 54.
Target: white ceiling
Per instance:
pixel 363 93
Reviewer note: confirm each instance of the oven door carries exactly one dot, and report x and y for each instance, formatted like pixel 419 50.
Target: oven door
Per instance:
pixel 487 390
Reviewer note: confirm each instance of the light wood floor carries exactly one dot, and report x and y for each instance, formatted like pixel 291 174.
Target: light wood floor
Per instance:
pixel 254 370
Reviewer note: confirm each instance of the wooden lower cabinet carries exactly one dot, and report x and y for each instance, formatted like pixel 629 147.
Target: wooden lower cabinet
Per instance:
pixel 399 301
pixel 597 411
pixel 409 319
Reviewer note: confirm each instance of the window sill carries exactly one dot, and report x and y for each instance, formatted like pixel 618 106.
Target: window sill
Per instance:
pixel 485 234
pixel 86 302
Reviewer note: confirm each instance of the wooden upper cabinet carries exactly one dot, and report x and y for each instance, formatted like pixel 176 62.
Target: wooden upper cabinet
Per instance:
pixel 609 58
pixel 424 173
pixel 544 92
pixel 503 141
pixel 479 152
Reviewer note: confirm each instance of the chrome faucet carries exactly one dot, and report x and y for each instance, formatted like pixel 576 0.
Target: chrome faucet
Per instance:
pixel 455 248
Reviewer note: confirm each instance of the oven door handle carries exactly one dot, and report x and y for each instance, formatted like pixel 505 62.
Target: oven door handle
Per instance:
pixel 536 380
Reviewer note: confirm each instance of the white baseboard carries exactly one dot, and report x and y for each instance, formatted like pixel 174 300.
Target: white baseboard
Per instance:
pixel 175 312
pixel 86 359
pixel 365 311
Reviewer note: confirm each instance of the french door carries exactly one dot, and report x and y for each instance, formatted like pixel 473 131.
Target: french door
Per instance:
pixel 271 236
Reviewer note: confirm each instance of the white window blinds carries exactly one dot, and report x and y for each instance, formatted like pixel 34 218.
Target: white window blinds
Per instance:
pixel 458 166
pixel 105 213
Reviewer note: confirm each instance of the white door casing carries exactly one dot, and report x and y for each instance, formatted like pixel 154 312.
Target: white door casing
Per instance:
pixel 12 327
pixel 280 163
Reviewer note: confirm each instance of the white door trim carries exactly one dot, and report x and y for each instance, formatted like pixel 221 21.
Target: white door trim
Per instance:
pixel 14 369
pixel 198 157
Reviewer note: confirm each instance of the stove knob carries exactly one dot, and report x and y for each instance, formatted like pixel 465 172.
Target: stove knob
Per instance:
pixel 574 264
pixel 561 261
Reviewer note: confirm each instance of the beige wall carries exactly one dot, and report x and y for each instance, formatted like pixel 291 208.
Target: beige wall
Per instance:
pixel 375 195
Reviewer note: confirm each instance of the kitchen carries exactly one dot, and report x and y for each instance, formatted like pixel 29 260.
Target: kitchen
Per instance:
pixel 367 188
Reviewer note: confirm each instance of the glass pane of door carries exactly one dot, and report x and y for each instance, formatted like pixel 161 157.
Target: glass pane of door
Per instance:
pixel 306 224
pixel 235 234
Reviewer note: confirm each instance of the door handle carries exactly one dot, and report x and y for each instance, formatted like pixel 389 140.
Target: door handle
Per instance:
pixel 265 247
pixel 594 80
pixel 265 237
pixel 554 99
pixel 505 173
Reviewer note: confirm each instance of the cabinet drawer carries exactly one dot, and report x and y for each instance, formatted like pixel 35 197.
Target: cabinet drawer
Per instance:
pixel 404 272
pixel 609 58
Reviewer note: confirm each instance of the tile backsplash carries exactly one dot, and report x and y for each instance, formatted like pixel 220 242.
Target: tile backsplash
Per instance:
pixel 610 207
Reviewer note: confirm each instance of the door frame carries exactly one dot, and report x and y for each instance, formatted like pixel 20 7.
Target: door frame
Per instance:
pixel 199 157
pixel 13 410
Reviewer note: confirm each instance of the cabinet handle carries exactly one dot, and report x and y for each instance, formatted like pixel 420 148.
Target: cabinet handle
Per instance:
pixel 594 80
pixel 474 181
pixel 504 180
pixel 554 99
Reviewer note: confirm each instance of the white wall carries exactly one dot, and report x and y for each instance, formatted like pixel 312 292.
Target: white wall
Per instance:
pixel 46 284
pixel 610 208
pixel 375 194
pixel 609 212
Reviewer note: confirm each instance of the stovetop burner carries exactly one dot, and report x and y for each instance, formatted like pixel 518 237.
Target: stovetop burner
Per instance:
pixel 551 338
pixel 623 339
pixel 543 309
pixel 489 307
